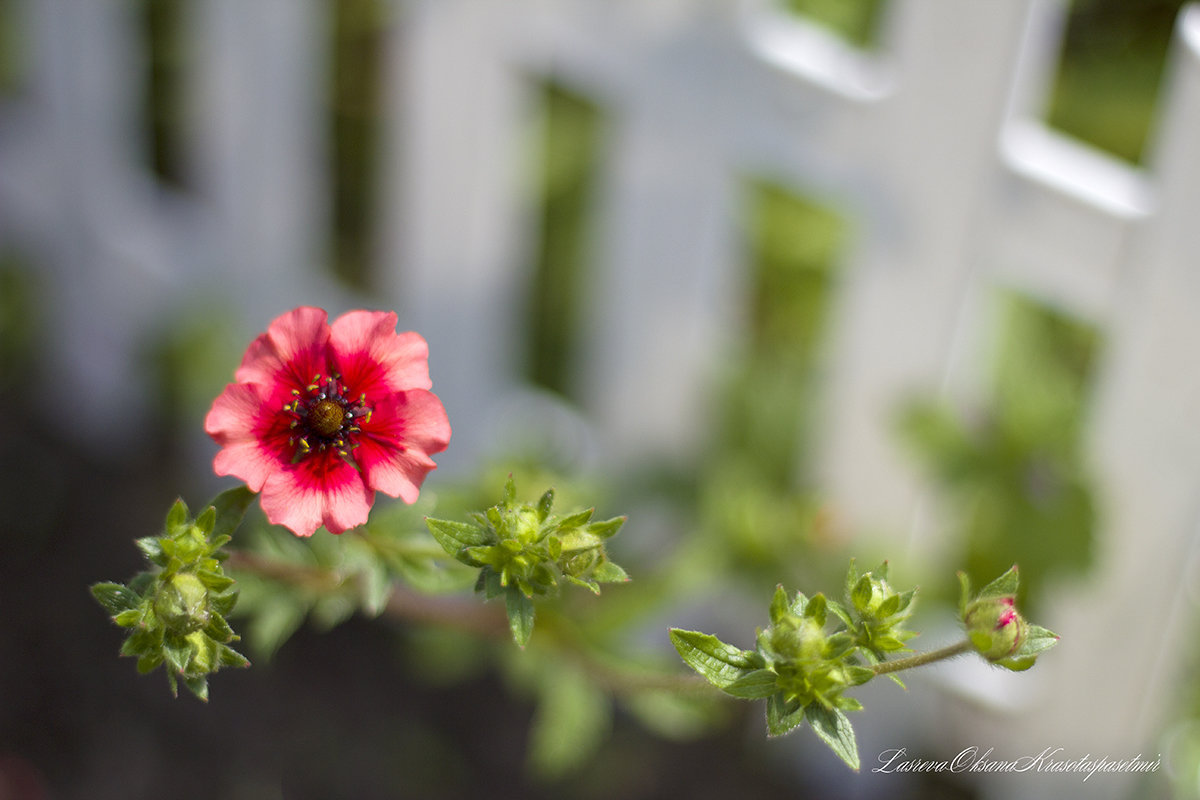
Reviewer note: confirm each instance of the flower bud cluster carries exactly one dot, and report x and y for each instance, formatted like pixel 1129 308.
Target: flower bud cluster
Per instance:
pixel 878 612
pixel 523 551
pixel 176 610
pixel 810 665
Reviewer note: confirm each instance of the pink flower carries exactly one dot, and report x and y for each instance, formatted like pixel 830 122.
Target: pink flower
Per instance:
pixel 322 416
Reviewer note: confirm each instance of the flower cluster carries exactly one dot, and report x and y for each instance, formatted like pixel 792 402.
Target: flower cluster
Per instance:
pixel 523 551
pixel 322 416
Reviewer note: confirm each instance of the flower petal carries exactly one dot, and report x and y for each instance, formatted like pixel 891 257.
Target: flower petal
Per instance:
pixel 319 490
pixel 395 448
pixel 239 421
pixel 293 350
pixel 373 359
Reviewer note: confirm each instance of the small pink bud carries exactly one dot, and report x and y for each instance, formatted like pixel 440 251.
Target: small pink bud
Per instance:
pixel 995 627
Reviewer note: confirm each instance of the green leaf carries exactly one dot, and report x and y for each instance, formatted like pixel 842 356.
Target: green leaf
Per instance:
pixel 520 615
pixel 721 664
pixel 835 730
pixel 753 685
pixel 783 715
pixel 455 536
pixel 230 506
pixel 116 598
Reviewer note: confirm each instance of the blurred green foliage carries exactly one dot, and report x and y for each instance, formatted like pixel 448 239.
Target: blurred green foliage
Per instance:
pixel 1013 471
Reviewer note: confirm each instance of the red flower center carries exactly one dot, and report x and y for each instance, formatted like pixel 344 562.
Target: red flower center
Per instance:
pixel 323 417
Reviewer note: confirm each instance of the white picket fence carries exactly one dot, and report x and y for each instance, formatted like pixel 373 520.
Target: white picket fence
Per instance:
pixel 933 143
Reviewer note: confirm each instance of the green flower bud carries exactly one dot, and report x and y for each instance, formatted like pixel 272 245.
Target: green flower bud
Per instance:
pixel 994 627
pixel 182 603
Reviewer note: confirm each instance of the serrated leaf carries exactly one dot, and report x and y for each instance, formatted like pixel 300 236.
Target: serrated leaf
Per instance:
pixel 116 598
pixel 753 685
pixel 1004 586
pixel 230 506
pixel 721 664
pixel 455 536
pixel 783 716
pixel 520 616
pixel 832 726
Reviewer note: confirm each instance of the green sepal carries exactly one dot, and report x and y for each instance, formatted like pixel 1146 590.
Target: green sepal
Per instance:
pixel 520 616
pixel 753 685
pixel 127 619
pixel 779 604
pixel 608 572
pixel 218 629
pixel 847 703
pixel 606 529
pixel 230 507
pixel 213 581
pixel 840 612
pixel 544 505
pixel 177 518
pixel 1037 640
pixel 835 730
pixel 815 609
pixel 148 663
pixel 964 593
pixel 206 520
pixel 783 715
pixel 177 654
pixel 116 598
pixel 1004 586
pixel 197 685
pixel 857 675
pixel 232 658
pixel 586 583
pixel 721 664
pixel 576 520
pixel 151 548
pixel 457 536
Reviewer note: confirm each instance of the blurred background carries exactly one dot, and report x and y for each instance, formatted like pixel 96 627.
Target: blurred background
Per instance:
pixel 786 282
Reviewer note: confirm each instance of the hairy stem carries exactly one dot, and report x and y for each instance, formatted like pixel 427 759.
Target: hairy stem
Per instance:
pixel 921 659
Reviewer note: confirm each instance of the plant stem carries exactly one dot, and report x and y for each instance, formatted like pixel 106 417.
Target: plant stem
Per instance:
pixel 921 659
